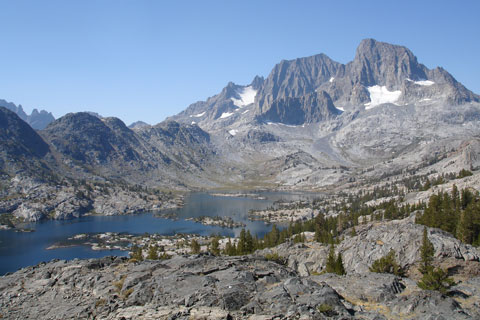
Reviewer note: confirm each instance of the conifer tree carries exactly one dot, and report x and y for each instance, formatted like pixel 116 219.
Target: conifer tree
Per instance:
pixel 426 253
pixel 249 247
pixel 195 246
pixel 339 268
pixel 436 279
pixel 331 261
pixel 136 253
pixel 215 246
pixel 152 253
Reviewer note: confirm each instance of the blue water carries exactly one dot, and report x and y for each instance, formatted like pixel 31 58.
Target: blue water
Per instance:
pixel 20 249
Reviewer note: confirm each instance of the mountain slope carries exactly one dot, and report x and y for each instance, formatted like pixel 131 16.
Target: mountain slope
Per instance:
pixel 21 148
pixel 311 123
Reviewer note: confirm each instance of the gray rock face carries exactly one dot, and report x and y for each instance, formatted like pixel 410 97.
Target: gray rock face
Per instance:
pixel 375 240
pixel 375 64
pixel 313 107
pixel 199 287
pixel 21 148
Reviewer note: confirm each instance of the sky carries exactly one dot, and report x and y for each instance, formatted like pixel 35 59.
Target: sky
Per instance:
pixel 147 60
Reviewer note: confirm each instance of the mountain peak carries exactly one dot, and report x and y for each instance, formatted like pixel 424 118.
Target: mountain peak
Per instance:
pixel 385 64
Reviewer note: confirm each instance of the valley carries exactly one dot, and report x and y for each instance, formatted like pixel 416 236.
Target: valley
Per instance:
pixel 251 194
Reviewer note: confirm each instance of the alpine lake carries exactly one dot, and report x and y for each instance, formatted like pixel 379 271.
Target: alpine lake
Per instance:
pixel 22 249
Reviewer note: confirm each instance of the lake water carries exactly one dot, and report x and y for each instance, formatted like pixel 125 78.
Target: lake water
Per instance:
pixel 21 249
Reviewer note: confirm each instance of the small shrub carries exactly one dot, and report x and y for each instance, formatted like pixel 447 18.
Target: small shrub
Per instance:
pixel 100 302
pixel 326 309
pixel 127 293
pixel 276 258
pixel 387 264
pixel 119 284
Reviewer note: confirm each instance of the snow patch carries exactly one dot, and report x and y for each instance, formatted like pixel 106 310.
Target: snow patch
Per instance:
pixel 245 111
pixel 341 109
pixel 425 83
pixel 193 122
pixel 233 132
pixel 380 95
pixel 426 99
pixel 331 79
pixel 247 96
pixel 226 115
pixel 198 115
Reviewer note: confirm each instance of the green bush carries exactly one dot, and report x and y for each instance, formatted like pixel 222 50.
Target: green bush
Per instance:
pixel 387 264
pixel 436 279
pixel 275 257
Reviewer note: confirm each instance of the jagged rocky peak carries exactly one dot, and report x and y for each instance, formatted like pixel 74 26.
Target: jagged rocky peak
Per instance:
pixel 295 78
pixel 37 119
pixel 380 63
pixel 226 105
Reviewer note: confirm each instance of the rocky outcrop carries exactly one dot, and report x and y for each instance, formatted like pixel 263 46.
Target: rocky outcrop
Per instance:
pixel 208 287
pixel 375 240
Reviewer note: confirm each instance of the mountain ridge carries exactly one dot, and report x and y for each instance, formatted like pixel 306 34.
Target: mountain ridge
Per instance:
pixel 293 129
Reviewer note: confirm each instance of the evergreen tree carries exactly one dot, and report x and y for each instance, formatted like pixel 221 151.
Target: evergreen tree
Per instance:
pixel 339 268
pixel 152 253
pixel 194 246
pixel 215 246
pixel 136 253
pixel 426 253
pixel 230 249
pixel 436 279
pixel 249 246
pixel 242 243
pixel 331 261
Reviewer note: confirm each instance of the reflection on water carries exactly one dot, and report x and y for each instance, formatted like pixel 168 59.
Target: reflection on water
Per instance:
pixel 19 249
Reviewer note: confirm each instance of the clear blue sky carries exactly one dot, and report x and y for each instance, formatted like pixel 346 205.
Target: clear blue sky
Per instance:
pixel 146 60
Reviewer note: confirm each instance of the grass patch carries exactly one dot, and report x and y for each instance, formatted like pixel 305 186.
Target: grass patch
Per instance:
pixel 100 302
pixel 119 284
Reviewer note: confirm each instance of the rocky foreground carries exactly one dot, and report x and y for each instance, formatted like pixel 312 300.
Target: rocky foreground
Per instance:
pixel 208 287
pixel 259 286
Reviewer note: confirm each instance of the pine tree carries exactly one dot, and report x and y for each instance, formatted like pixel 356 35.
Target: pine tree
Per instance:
pixel 230 248
pixel 249 247
pixel 242 243
pixel 152 253
pixel 436 279
pixel 339 268
pixel 136 253
pixel 331 261
pixel 194 246
pixel 215 246
pixel 426 253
